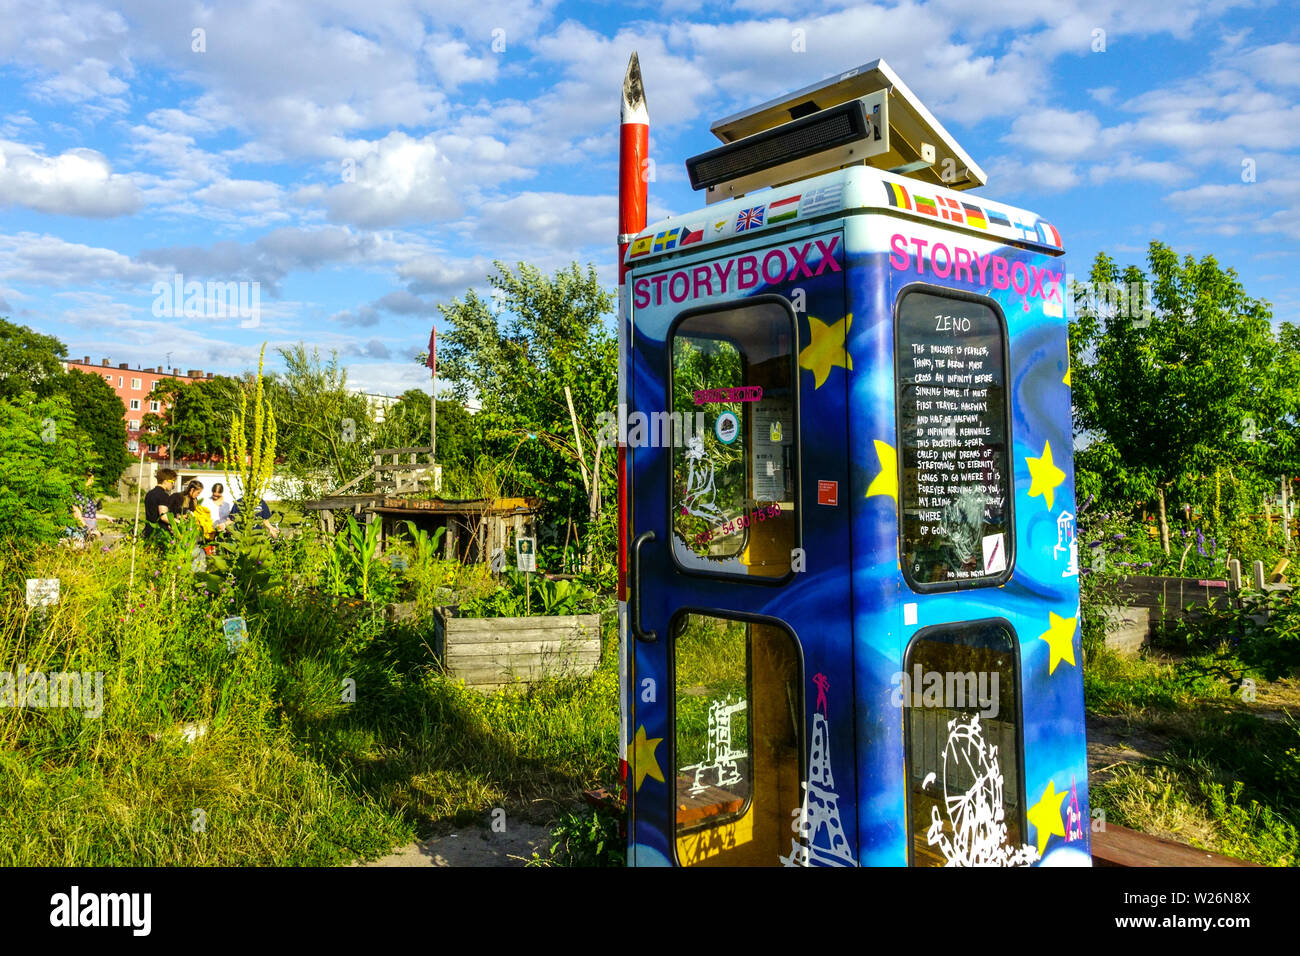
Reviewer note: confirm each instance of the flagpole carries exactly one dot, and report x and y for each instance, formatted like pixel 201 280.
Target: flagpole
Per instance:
pixel 432 362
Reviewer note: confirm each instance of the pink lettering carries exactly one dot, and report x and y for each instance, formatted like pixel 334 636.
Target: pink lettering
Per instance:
pixel 1024 274
pixel 659 281
pixel 703 277
pixel 780 273
pixel 934 260
pixel 961 263
pixel 983 263
pixel 800 266
pixel 641 293
pixel 672 287
pixel 899 257
pixel 1000 280
pixel 723 273
pixel 828 255
pixel 920 255
pixel 746 266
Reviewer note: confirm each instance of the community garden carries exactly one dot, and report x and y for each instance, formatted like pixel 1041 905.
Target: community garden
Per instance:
pixel 267 704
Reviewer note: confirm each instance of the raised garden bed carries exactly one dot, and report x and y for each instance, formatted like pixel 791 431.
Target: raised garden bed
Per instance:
pixel 489 653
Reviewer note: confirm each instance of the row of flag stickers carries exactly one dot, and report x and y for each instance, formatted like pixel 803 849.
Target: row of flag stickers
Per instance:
pixel 820 200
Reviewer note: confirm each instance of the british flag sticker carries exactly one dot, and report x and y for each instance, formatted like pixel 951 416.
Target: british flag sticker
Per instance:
pixel 750 218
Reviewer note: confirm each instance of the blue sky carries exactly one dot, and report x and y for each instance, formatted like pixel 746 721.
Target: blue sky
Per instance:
pixel 363 162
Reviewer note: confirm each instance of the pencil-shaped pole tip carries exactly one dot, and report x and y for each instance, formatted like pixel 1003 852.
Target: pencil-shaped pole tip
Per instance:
pixel 634 105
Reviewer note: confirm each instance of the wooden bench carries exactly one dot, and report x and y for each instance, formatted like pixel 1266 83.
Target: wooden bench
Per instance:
pixel 1120 846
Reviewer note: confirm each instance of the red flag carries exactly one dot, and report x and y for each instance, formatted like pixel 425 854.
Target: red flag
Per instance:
pixel 432 360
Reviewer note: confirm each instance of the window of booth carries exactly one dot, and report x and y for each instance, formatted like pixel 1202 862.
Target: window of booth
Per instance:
pixel 732 427
pixel 954 441
pixel 737 713
pixel 960 693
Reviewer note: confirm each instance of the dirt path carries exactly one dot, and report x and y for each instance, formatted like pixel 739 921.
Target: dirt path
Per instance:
pixel 473 846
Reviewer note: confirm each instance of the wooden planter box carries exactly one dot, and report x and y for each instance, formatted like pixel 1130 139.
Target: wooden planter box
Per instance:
pixel 493 652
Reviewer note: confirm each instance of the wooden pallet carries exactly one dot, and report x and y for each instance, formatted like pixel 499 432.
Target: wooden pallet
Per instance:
pixel 1120 846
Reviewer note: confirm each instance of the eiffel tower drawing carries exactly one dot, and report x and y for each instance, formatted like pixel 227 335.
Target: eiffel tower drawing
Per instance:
pixel 819 837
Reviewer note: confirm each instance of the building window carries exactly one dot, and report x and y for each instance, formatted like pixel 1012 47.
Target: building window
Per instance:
pixel 153 449
pixel 119 381
pixel 134 424
pixel 135 404
pixel 135 384
pixel 153 406
pixel 108 379
pixel 133 446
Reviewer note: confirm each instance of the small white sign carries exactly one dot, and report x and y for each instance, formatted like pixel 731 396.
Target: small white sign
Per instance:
pixel 909 614
pixel 42 592
pixel 526 554
pixel 995 553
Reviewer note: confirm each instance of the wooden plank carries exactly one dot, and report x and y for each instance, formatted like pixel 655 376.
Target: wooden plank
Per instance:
pixel 524 635
pixel 511 628
pixel 524 647
pixel 493 675
pixel 1120 846
pixel 424 450
pixel 457 657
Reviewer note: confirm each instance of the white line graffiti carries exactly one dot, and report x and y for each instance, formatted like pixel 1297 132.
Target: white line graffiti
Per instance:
pixel 976 816
pixel 719 757
pixel 820 813
pixel 699 495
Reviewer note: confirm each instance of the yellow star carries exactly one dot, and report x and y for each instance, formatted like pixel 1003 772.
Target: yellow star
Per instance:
pixel 1060 640
pixel 885 483
pixel 641 755
pixel 1066 380
pixel 1044 475
pixel 826 350
pixel 1045 815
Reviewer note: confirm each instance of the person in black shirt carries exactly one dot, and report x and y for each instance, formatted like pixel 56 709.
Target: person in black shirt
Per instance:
pixel 159 505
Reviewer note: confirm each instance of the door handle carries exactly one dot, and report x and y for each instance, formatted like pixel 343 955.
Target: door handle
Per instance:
pixel 635 610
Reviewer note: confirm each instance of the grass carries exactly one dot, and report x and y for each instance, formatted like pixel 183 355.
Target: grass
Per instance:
pixel 287 771
pixel 1221 773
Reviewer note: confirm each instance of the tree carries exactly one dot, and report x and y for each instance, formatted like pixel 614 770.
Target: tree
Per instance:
pixel 323 424
pixel 176 422
pixel 98 413
pixel 29 361
pixel 546 334
pixel 406 424
pixel 1193 388
pixel 42 454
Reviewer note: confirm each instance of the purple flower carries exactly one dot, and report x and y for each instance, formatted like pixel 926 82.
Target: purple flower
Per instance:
pixel 1200 542
pixel 1213 548
pixel 1094 544
pixel 1117 537
pixel 1145 564
pixel 1183 532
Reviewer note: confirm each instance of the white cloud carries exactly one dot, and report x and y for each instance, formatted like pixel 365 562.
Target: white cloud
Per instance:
pixel 78 182
pixel 1060 134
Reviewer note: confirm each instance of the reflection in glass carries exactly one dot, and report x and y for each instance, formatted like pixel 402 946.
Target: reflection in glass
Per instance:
pixel 734 453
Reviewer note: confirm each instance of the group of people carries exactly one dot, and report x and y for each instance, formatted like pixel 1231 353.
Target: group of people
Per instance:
pixel 163 508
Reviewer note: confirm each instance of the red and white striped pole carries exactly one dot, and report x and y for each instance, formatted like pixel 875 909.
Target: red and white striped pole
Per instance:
pixel 633 151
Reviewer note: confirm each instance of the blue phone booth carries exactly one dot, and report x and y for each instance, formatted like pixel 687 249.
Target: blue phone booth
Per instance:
pixel 853 578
